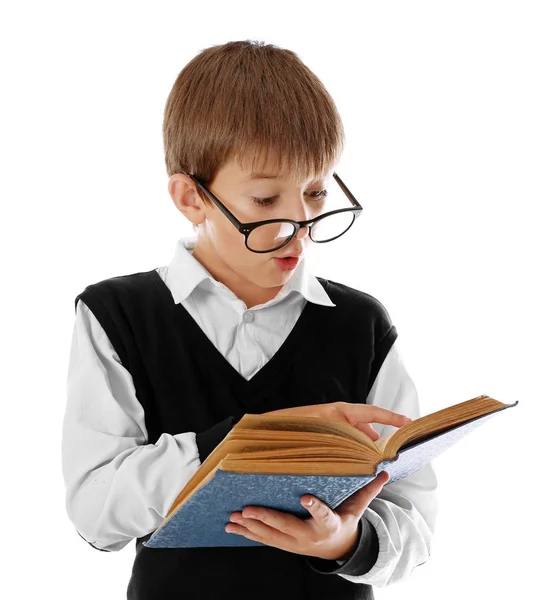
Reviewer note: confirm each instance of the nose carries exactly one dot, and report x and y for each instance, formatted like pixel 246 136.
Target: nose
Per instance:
pixel 302 215
pixel 302 233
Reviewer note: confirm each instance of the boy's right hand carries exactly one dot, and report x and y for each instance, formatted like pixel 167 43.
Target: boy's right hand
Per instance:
pixel 358 415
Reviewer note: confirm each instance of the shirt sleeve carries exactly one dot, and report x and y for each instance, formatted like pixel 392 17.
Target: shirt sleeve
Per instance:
pixel 118 487
pixel 403 515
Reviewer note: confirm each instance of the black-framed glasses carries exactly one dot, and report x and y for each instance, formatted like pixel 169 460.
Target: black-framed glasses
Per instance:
pixel 273 234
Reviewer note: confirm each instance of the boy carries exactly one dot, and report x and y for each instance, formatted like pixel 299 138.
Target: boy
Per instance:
pixel 164 362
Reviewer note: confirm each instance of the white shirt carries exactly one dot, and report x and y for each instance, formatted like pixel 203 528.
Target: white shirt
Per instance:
pixel 119 487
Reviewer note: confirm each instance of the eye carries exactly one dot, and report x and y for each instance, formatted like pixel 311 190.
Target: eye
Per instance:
pixel 264 201
pixel 319 195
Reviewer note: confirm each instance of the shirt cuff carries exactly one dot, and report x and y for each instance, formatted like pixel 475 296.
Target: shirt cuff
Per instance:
pixel 362 558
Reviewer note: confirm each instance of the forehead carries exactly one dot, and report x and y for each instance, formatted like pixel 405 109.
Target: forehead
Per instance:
pixel 270 170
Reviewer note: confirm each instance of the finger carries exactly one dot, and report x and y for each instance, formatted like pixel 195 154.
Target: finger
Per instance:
pixel 369 430
pixel 259 532
pixel 256 517
pixel 357 503
pixel 323 516
pixel 255 529
pixel 381 479
pixel 373 488
pixel 369 413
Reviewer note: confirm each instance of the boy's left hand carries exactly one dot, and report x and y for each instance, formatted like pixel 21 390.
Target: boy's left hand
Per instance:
pixel 329 534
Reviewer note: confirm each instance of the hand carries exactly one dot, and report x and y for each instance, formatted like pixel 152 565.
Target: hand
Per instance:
pixel 329 534
pixel 358 415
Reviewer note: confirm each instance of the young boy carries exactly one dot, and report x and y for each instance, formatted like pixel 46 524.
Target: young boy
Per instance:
pixel 164 362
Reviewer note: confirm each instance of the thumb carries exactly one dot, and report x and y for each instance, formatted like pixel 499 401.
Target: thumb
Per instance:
pixel 357 503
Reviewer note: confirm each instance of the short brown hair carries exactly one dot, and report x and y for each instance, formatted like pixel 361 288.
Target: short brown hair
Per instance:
pixel 244 98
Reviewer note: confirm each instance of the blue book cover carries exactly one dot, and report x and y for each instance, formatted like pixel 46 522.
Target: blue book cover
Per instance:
pixel 201 519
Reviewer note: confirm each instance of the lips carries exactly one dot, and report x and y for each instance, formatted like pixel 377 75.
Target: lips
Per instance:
pixel 287 263
pixel 290 255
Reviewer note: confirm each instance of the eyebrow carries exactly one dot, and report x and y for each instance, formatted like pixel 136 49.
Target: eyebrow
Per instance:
pixel 261 176
pixel 256 175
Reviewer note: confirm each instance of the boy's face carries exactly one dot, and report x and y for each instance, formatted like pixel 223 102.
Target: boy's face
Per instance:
pixel 253 277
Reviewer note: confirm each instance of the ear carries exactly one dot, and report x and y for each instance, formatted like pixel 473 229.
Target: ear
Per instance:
pixel 182 190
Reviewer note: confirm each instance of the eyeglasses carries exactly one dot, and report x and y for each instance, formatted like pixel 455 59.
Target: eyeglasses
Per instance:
pixel 273 234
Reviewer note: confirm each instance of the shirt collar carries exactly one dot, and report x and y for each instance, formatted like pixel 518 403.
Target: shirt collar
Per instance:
pixel 185 273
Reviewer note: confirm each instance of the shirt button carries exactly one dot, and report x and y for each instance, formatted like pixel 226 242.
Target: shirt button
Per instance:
pixel 248 317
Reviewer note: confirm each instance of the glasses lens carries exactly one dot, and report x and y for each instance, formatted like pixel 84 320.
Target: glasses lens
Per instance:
pixel 332 226
pixel 270 236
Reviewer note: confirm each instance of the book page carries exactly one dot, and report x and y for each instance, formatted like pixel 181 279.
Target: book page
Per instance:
pixel 439 421
pixel 306 424
pixel 382 442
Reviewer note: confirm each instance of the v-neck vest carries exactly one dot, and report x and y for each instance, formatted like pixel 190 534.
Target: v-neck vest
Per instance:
pixel 184 383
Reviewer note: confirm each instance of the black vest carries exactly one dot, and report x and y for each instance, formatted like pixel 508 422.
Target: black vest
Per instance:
pixel 185 384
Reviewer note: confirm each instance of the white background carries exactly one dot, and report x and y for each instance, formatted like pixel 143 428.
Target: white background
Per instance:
pixel 442 106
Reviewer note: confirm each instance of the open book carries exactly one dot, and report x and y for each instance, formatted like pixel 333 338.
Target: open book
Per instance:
pixel 273 460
